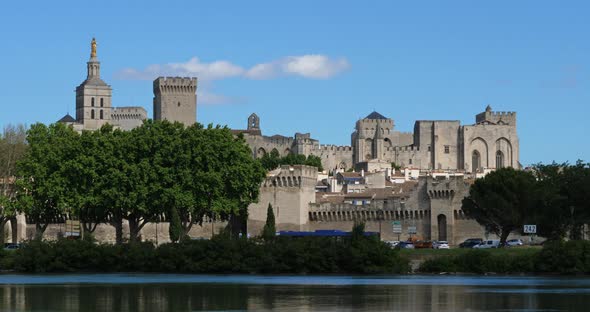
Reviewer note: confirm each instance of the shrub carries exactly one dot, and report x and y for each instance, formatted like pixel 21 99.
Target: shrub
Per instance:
pixel 222 254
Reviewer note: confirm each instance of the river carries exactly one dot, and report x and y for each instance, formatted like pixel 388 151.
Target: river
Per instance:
pixel 166 292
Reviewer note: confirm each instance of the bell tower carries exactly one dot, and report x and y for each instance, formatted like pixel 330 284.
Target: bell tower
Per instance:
pixel 93 96
pixel 253 122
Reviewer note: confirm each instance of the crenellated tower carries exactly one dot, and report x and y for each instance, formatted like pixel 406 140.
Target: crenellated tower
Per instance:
pixel 175 99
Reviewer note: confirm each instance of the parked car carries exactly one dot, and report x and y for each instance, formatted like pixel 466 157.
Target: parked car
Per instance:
pixel 470 242
pixel 423 244
pixel 440 245
pixel 514 242
pixel 11 246
pixel 490 243
pixel 392 244
pixel 405 245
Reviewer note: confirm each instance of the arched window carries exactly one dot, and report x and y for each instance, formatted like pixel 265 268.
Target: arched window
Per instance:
pixel 92 102
pixel 499 159
pixel 101 102
pixel 101 115
pixel 92 114
pixel 475 161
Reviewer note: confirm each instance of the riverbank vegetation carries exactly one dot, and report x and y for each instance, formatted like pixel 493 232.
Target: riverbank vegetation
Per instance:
pixel 222 254
pixel 556 257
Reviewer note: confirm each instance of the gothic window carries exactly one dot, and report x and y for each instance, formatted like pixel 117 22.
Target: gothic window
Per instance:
pixel 410 161
pixel 475 161
pixel 429 148
pixel 101 115
pixel 499 159
pixel 178 104
pixel 101 102
pixel 447 149
pixel 92 113
pixel 92 102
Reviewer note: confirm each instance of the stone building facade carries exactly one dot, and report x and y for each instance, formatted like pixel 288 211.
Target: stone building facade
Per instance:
pixel 439 160
pixel 491 142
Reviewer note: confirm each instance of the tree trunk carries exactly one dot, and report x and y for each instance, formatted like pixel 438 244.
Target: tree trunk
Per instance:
pixel 89 227
pixel 2 223
pixel 40 230
pixel 135 226
pixel 186 228
pixel 118 224
pixel 504 235
pixel 235 225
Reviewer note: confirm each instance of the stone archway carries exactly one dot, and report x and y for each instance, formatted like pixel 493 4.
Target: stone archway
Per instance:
pixel 442 227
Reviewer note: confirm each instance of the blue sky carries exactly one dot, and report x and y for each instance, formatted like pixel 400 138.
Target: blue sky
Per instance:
pixel 315 66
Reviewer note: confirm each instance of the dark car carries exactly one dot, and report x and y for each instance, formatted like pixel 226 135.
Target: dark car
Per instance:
pixel 11 246
pixel 405 245
pixel 470 242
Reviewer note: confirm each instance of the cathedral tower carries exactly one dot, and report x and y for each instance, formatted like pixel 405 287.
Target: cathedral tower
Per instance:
pixel 93 96
pixel 175 99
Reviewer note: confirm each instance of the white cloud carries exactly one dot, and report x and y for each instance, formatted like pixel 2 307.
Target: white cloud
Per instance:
pixel 314 66
pixel 262 71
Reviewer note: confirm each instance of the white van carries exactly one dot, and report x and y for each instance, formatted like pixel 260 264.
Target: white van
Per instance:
pixel 490 243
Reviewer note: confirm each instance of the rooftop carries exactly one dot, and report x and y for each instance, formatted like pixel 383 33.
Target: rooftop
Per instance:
pixel 375 115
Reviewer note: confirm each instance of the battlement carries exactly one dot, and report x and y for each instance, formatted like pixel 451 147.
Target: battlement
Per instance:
pixel 446 187
pixel 499 118
pixel 292 176
pixel 175 85
pixel 338 148
pixel 129 112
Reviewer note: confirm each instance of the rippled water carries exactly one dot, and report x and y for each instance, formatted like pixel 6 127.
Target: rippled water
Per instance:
pixel 157 292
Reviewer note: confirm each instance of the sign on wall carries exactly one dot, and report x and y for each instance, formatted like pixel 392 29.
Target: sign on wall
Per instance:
pixel 397 227
pixel 412 230
pixel 530 229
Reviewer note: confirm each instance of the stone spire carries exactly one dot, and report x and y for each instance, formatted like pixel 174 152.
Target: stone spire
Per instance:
pixel 93 64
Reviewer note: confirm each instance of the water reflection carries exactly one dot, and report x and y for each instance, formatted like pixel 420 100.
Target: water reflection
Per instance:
pixel 259 297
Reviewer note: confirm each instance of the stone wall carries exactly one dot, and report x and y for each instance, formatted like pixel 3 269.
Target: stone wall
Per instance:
pixel 290 190
pixel 129 117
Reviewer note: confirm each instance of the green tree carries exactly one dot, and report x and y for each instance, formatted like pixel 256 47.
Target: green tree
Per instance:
pixel 314 161
pixel 12 149
pixel 271 160
pixel 551 211
pixel 175 228
pixel 502 201
pixel 576 188
pixel 563 199
pixel 269 230
pixel 43 186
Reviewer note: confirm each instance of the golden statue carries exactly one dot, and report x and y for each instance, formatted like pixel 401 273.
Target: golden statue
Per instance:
pixel 93 48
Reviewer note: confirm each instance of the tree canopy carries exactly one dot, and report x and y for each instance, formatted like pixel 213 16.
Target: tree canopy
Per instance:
pixel 502 201
pixel 160 170
pixel 273 160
